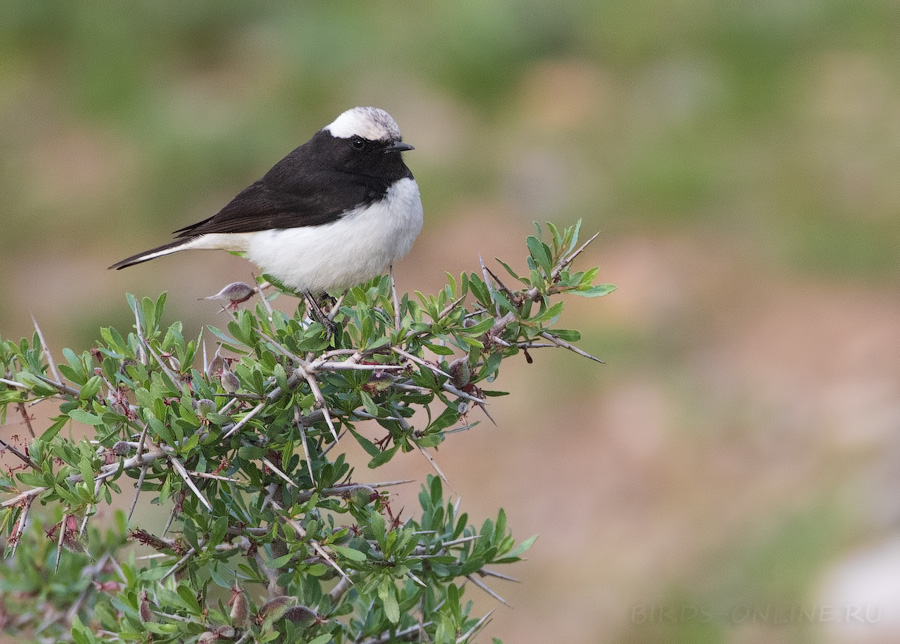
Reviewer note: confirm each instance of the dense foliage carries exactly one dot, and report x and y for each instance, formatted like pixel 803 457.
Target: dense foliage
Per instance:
pixel 271 535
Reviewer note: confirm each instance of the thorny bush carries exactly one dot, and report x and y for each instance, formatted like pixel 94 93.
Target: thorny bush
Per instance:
pixel 270 536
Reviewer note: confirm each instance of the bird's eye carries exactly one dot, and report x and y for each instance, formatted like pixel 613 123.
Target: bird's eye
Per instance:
pixel 358 143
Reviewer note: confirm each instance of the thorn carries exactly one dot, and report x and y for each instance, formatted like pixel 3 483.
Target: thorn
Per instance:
pixel 434 465
pixel 484 410
pixel 190 483
pixel 299 422
pixel 490 573
pixel 570 347
pixel 50 362
pixel 475 629
pixel 395 298
pixel 485 588
pixel 487 281
pixel 262 296
pixel 419 361
pixel 503 288
pixel 278 471
pixel 59 545
pixel 568 260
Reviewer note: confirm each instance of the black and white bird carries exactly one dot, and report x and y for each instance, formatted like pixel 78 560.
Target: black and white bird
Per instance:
pixel 336 212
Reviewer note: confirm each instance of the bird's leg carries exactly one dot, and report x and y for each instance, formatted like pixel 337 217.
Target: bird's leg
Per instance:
pixel 318 314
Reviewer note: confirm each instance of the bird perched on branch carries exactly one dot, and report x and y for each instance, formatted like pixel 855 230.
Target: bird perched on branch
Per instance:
pixel 335 212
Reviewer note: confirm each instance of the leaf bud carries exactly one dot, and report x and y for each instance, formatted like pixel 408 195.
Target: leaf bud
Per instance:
pixel 274 608
pixel 144 610
pixel 240 607
pixel 363 495
pixel 229 381
pixel 121 448
pixel 300 615
pixel 205 406
pixel 216 367
pixel 460 374
pixel 234 294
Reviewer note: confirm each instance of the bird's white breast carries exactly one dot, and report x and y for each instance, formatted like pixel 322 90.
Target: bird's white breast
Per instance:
pixel 363 243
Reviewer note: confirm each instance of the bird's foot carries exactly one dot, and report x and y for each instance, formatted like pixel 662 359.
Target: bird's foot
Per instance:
pixel 318 311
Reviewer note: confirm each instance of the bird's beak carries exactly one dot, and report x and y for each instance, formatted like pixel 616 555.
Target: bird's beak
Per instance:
pixel 399 146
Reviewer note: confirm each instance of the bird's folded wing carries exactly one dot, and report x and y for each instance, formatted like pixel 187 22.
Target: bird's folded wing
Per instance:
pixel 261 207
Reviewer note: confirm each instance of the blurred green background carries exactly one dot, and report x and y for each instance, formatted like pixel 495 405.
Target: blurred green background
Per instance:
pixel 732 473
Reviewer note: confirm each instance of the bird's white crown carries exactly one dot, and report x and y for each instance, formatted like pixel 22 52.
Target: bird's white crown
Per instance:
pixel 370 123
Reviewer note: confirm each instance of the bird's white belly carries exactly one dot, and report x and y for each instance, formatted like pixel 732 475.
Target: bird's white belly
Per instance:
pixel 361 244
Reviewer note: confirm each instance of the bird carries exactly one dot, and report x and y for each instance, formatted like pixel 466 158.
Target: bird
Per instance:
pixel 335 212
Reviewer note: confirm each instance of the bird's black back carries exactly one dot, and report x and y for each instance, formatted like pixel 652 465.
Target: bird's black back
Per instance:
pixel 315 184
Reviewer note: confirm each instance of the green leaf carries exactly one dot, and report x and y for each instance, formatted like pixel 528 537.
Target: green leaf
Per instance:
pixel 567 335
pixel 166 597
pixel 80 635
pixel 366 444
pixel 227 339
pixel 596 291
pixel 349 553
pixel 587 278
pixel 438 349
pixel 280 377
pixel 368 404
pixel 480 327
pixel 90 388
pixel 557 237
pixel 34 480
pixel 85 417
pixel 148 315
pixel 160 305
pixel 449 416
pixel 113 339
pixel 223 580
pixel 379 529
pixel 53 430
pixel 189 597
pixel 435 489
pixel 387 593
pixel 501 300
pixel 508 269
pixel 251 452
pixel 521 549
pixel 73 359
pixel 433 440
pixel 160 629
pixel 550 314
pixel 280 562
pixel 322 639
pixel 479 289
pixel 575 231
pixel 384 457
pixel 85 467
pixel 318 570
pixel 541 254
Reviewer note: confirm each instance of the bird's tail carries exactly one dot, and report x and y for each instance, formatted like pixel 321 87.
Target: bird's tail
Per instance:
pixel 153 253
